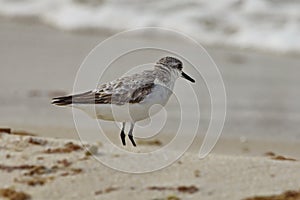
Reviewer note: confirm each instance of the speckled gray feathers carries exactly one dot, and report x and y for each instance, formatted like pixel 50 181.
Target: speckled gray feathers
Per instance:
pixel 128 89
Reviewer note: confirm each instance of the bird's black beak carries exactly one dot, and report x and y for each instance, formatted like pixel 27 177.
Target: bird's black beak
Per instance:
pixel 187 77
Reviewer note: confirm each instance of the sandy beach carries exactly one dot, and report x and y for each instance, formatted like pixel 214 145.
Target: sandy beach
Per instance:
pixel 55 168
pixel 257 155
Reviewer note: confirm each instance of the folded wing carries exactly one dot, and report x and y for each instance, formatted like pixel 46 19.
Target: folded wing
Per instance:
pixel 131 89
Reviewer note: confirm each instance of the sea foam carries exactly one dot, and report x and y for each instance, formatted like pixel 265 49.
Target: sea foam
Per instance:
pixel 269 25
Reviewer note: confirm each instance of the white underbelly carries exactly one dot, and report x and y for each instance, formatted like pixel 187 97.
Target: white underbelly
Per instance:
pixel 121 113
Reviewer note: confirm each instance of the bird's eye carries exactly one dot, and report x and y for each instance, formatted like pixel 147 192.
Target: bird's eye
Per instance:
pixel 179 66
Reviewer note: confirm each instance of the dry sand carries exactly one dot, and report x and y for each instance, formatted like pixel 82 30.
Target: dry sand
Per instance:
pixel 45 168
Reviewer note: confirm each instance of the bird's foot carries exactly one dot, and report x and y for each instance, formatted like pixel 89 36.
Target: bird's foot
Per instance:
pixel 132 140
pixel 123 137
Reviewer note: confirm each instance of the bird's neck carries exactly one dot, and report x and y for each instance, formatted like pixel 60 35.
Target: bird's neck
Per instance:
pixel 164 76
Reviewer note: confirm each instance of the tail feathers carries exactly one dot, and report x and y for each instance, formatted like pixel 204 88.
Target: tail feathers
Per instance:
pixel 67 100
pixel 62 101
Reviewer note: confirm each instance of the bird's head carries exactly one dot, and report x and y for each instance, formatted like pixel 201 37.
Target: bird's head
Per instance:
pixel 174 65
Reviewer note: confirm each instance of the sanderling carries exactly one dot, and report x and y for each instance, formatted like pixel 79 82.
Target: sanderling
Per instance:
pixel 129 98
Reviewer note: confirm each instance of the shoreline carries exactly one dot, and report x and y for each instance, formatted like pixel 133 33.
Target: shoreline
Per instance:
pixel 94 32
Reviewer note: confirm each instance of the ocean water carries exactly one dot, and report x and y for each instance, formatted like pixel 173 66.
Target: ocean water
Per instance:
pixel 265 25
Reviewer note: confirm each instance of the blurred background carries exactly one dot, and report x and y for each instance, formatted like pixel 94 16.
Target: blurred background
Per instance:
pixel 266 25
pixel 255 44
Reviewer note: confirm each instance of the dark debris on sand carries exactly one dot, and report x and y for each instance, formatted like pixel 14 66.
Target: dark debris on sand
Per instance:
pixel 12 194
pixel 288 195
pixel 183 189
pixel 107 190
pixel 273 156
pixel 68 148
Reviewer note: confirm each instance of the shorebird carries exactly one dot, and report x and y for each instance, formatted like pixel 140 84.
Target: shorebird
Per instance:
pixel 129 98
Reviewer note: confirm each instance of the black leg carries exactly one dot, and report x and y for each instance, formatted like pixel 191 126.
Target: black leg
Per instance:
pixel 123 134
pixel 130 134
